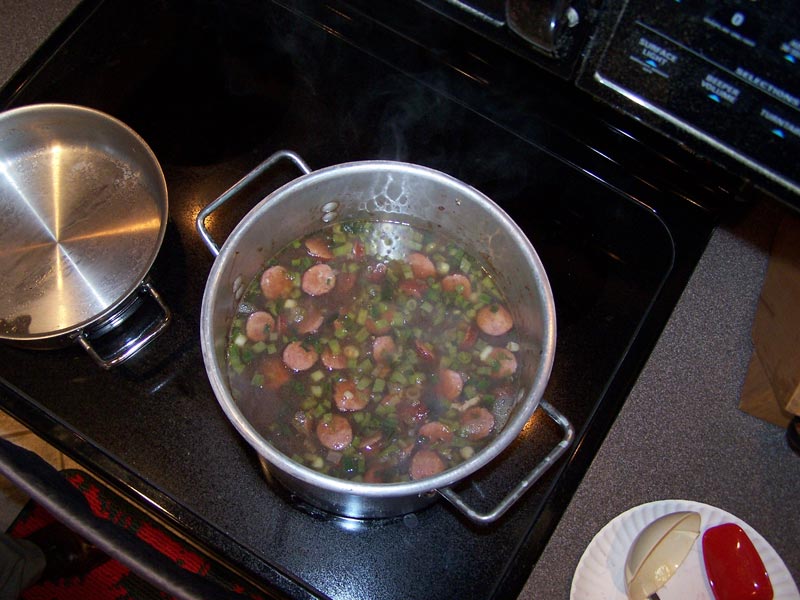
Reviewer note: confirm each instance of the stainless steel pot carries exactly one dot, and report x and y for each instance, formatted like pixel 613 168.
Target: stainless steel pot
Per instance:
pixel 391 191
pixel 83 207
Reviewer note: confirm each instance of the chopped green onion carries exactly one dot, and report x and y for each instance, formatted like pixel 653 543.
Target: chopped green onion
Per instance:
pixel 417 378
pixel 343 250
pixel 234 359
pixel 398 377
pixel 246 354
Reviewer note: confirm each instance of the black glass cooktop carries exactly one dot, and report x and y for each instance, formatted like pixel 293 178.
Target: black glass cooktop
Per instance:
pixel 215 87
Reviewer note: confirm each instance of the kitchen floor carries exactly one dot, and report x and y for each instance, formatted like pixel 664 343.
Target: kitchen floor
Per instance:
pixel 12 500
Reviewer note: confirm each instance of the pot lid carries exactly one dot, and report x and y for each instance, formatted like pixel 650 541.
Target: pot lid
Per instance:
pixel 83 206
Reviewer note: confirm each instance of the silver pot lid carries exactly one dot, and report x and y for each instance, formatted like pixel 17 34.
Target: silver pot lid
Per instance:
pixel 83 204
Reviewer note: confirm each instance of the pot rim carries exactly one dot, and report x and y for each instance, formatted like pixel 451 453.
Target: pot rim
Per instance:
pixel 520 416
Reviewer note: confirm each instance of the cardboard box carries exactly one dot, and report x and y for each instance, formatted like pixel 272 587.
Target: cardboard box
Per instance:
pixel 772 387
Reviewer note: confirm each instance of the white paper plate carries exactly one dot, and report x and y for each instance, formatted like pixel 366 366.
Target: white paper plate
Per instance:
pixel 600 573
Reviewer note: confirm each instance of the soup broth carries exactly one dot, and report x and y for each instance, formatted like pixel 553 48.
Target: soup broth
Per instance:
pixel 375 352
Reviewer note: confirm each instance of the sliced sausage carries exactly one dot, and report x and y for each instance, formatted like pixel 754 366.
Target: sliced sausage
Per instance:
pixel 335 434
pixel 259 325
pixel 382 325
pixel 412 287
pixel 412 412
pixel 276 283
pixel 309 321
pixel 425 463
pixel 299 357
pixel 421 265
pixel 371 442
pixel 318 248
pixel 502 363
pixel 318 280
pixel 469 339
pixel 477 422
pixel 494 319
pixel 449 385
pixel 348 397
pixel 425 351
pixel 333 361
pixel 456 283
pixel 281 325
pixel 384 349
pixel 436 432
pixel 274 372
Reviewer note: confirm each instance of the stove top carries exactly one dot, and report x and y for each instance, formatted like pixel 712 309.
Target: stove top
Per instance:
pixel 215 87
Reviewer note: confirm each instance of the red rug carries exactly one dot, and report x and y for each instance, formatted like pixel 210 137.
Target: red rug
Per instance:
pixel 111 579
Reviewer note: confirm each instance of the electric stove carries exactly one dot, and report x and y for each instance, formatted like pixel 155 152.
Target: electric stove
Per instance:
pixel 618 213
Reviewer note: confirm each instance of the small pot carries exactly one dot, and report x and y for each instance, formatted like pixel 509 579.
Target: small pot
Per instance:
pixel 83 202
pixel 386 191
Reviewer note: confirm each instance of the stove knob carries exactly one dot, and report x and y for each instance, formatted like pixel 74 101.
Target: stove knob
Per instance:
pixel 541 22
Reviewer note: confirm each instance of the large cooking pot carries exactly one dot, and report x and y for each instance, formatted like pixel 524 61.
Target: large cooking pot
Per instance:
pixel 390 191
pixel 83 207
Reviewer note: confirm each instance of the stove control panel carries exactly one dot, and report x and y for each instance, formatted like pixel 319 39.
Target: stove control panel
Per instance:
pixel 725 71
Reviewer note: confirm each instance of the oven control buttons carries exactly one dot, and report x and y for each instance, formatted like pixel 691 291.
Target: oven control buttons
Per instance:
pixel 723 71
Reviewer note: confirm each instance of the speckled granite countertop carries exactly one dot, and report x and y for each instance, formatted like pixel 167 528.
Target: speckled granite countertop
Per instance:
pixel 680 434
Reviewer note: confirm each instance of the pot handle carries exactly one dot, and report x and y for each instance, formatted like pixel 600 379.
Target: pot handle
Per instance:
pixel 132 346
pixel 527 482
pixel 237 187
